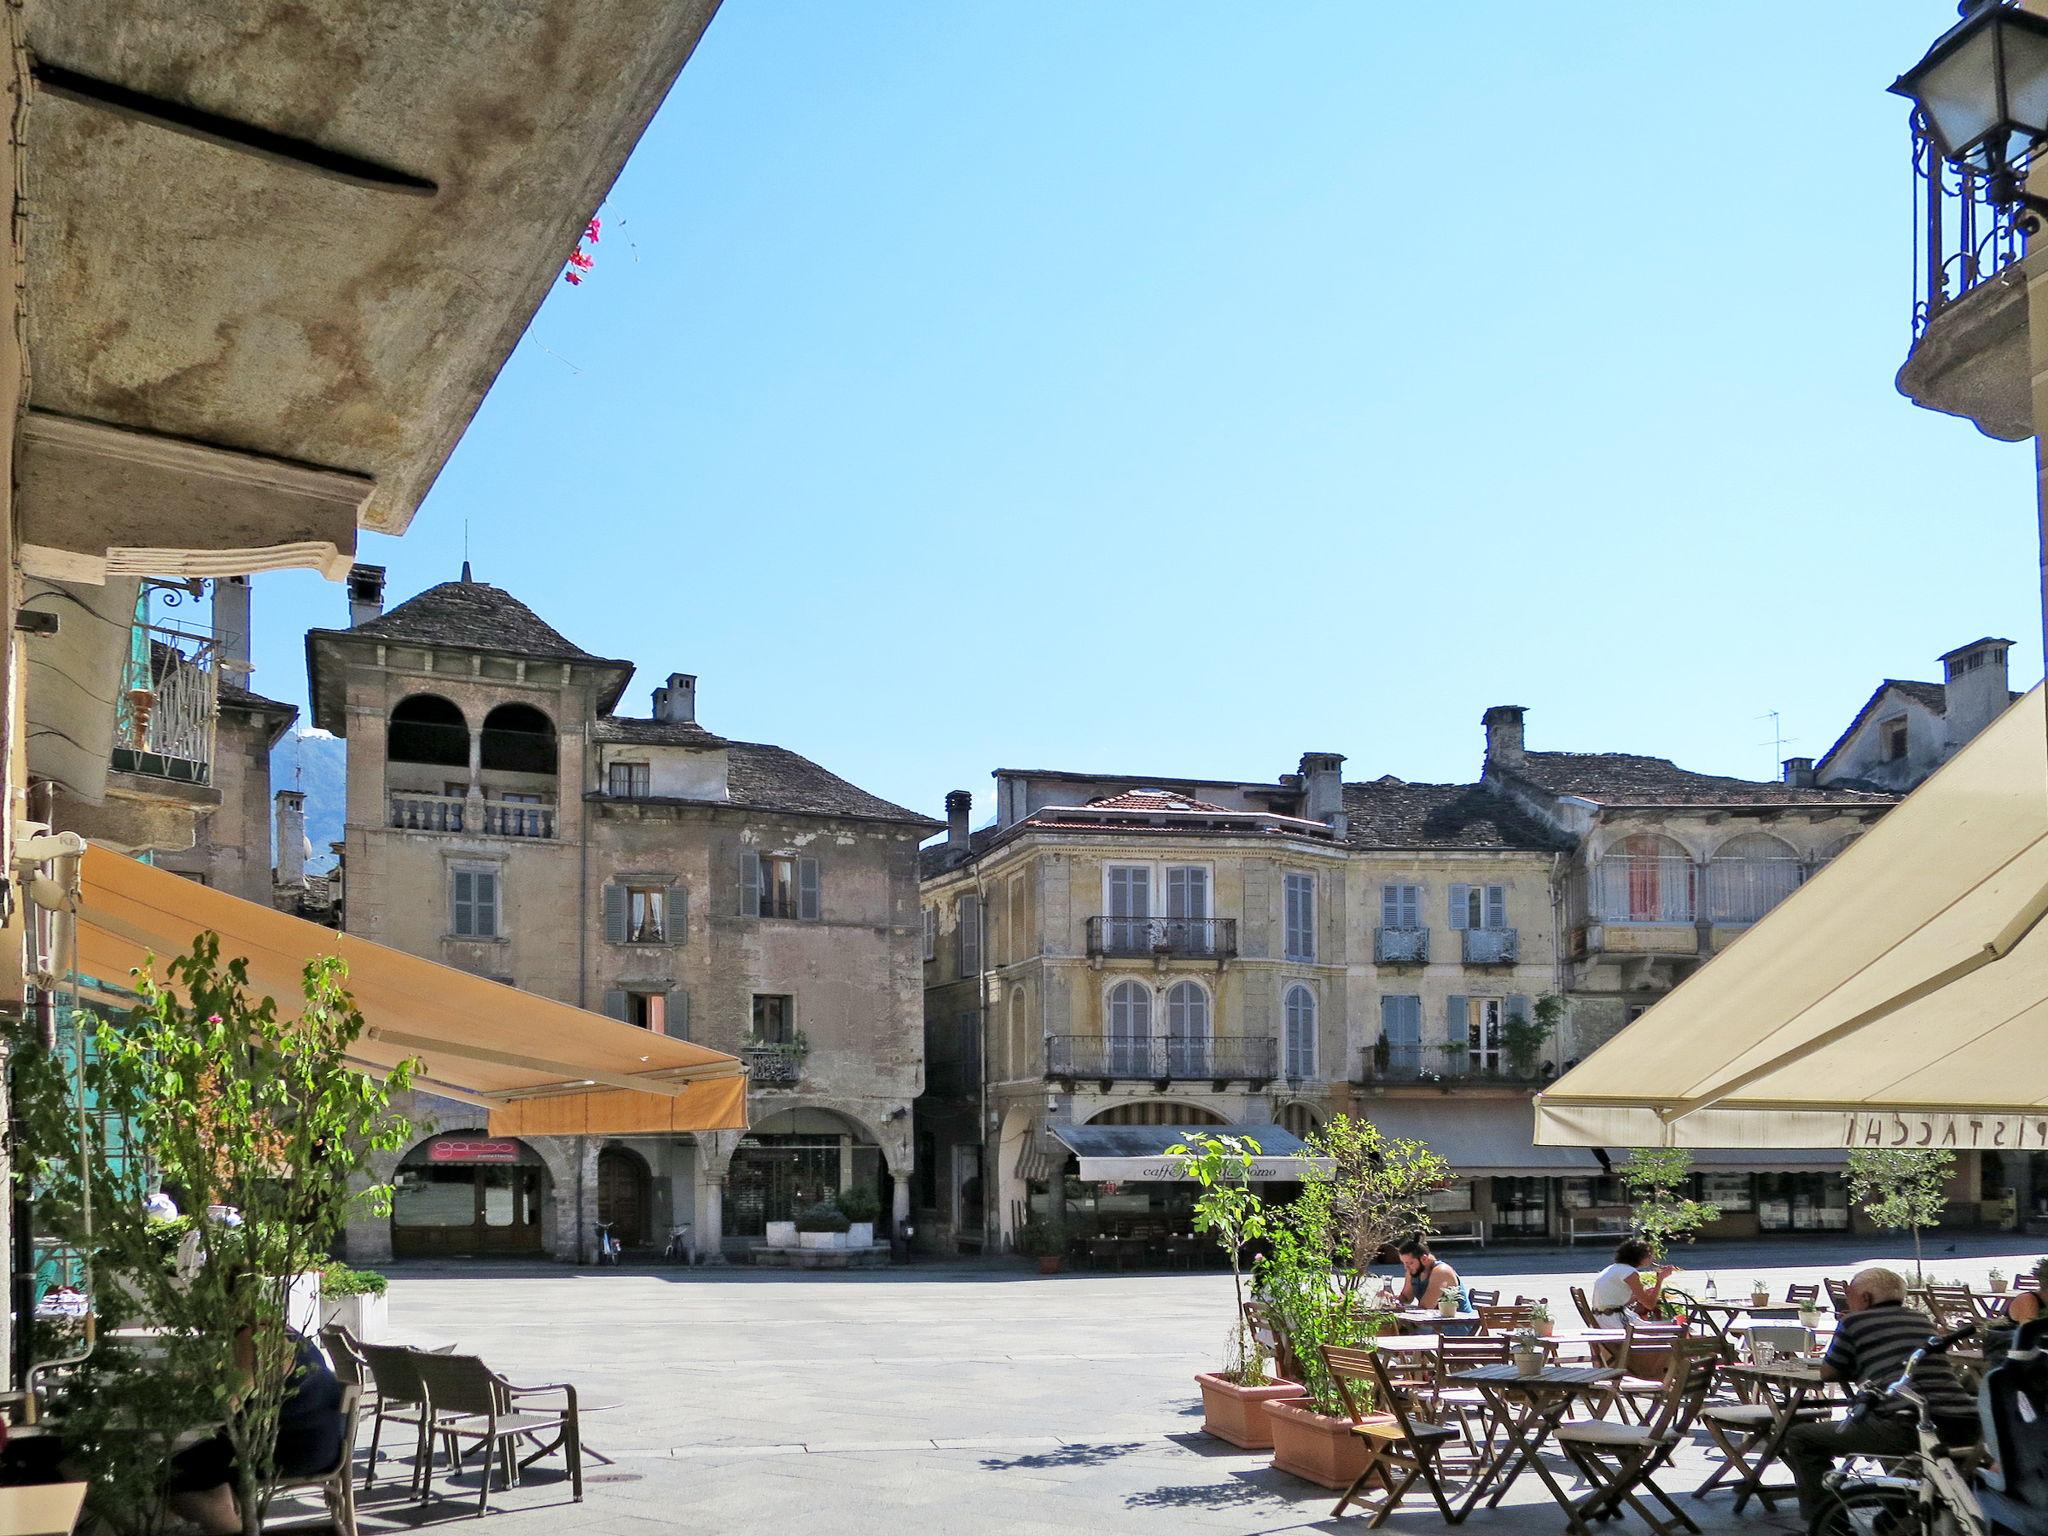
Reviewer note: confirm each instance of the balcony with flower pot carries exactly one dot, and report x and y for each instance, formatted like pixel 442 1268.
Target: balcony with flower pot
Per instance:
pixel 775 1063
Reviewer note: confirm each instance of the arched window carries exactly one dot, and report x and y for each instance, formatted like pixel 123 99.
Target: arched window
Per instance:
pixel 1130 1027
pixel 1299 1006
pixel 1299 1119
pixel 426 728
pixel 1187 1028
pixel 1749 875
pixel 518 738
pixel 1644 878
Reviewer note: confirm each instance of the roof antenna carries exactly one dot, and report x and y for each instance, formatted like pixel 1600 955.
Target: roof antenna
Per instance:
pixel 466 577
pixel 1779 740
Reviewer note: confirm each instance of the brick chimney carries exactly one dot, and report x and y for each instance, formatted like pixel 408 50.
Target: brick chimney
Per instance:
pixel 1799 772
pixel 291 837
pixel 958 805
pixel 1322 782
pixel 1503 725
pixel 365 593
pixel 676 700
pixel 231 627
pixel 1976 687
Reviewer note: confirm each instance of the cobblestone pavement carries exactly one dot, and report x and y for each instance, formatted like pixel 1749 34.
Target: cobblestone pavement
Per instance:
pixel 938 1398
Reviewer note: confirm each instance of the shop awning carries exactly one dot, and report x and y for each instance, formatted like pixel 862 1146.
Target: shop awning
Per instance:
pixel 1138 1152
pixel 542 1068
pixel 1898 998
pixel 1758 1159
pixel 1478 1137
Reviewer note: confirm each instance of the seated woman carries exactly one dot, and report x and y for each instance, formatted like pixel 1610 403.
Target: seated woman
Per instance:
pixel 1428 1276
pixel 309 1433
pixel 1620 1291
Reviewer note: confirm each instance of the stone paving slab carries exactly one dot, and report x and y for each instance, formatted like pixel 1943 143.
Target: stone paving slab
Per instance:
pixel 938 1400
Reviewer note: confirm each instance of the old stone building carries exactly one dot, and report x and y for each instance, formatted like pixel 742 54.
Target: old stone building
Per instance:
pixel 1908 729
pixel 503 819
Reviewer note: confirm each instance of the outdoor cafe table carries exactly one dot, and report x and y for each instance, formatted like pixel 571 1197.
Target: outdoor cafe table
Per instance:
pixel 1430 1320
pixel 1545 1398
pixel 1789 1388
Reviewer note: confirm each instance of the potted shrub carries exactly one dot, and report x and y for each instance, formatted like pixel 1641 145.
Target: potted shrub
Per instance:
pixel 1525 1350
pixel 356 1299
pixel 1997 1282
pixel 1229 1209
pixel 1759 1294
pixel 1045 1240
pixel 861 1206
pixel 821 1226
pixel 1540 1321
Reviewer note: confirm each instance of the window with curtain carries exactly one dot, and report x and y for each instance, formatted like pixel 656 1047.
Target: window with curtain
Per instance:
pixel 1749 875
pixel 1644 878
pixel 1299 1008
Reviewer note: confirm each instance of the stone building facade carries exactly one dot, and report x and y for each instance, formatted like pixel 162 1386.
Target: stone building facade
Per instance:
pixel 504 819
pixel 1908 729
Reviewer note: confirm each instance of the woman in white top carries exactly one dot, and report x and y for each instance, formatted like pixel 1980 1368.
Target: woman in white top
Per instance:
pixel 1620 1288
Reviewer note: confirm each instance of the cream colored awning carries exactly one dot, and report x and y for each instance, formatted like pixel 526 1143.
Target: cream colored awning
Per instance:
pixel 541 1067
pixel 1898 998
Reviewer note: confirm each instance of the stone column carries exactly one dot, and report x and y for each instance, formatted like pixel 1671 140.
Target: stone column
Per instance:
pixel 899 1201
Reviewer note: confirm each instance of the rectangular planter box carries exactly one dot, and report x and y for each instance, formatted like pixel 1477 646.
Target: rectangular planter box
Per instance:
pixel 367 1317
pixel 1238 1414
pixel 821 1239
pixel 1314 1447
pixel 781 1234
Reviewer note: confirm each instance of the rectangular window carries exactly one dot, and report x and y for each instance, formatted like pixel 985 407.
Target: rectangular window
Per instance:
pixel 931 933
pixel 1730 1191
pixel 648 1010
pixel 1401 1032
pixel 628 779
pixel 1187 892
pixel 780 885
pixel 646 914
pixel 1300 900
pixel 1020 937
pixel 967 912
pixel 1892 739
pixel 1400 906
pixel 475 903
pixel 1479 906
pixel 774 1018
pixel 1487 1034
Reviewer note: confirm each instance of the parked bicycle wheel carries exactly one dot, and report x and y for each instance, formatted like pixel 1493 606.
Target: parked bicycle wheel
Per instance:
pixel 1868 1511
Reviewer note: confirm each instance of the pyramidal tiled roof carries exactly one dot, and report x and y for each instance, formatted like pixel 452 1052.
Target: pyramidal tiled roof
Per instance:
pixel 477 615
pixel 1155 800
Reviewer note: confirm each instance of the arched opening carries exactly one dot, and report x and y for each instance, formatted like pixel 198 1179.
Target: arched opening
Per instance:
pixel 463 1194
pixel 1299 1010
pixel 1299 1119
pixel 1130 1029
pixel 1156 1112
pixel 1749 875
pixel 517 738
pixel 798 1158
pixel 1187 1028
pixel 1644 878
pixel 427 728
pixel 625 1196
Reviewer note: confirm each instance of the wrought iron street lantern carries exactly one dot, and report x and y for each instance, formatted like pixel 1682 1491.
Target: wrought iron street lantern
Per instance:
pixel 1982 92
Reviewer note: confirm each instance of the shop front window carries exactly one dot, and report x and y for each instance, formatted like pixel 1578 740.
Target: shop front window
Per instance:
pixel 1802 1202
pixel 1521 1206
pixel 1732 1192
pixel 1593 1194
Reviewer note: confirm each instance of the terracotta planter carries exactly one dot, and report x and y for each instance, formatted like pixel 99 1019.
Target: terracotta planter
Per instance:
pixel 1238 1414
pixel 1997 1287
pixel 1049 1263
pixel 1315 1447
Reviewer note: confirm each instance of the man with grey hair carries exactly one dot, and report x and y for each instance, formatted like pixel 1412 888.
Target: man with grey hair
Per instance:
pixel 1874 1338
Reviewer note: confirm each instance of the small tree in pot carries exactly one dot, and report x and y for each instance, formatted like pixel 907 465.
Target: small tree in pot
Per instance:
pixel 1903 1188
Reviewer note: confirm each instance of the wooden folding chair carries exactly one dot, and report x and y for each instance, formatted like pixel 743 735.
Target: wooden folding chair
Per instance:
pixel 1585 1307
pixel 1739 1431
pixel 1647 1354
pixel 1473 1411
pixel 1499 1319
pixel 1476 1298
pixel 1802 1295
pixel 1951 1306
pixel 1271 1335
pixel 1620 1460
pixel 1399 1454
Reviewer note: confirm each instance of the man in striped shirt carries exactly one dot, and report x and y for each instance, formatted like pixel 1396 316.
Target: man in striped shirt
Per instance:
pixel 1873 1340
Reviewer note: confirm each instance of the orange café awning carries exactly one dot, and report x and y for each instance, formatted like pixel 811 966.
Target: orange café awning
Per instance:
pixel 541 1068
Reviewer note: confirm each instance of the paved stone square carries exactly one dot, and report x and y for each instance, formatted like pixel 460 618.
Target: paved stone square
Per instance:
pixel 938 1398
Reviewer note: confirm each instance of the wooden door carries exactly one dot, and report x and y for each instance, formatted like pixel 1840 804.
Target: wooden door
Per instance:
pixel 622 1195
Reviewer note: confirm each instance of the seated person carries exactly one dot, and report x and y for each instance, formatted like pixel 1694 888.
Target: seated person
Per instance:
pixel 1428 1277
pixel 1873 1340
pixel 309 1433
pixel 1620 1291
pixel 2025 1306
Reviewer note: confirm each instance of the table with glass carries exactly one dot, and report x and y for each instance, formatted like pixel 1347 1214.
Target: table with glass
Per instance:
pixel 1793 1389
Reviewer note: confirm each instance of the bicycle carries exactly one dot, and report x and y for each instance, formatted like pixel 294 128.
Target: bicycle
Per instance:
pixel 607 1245
pixel 678 1249
pixel 1926 1494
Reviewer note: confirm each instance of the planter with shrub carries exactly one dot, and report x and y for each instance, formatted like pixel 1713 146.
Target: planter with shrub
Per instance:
pixel 821 1226
pixel 356 1300
pixel 860 1206
pixel 1045 1241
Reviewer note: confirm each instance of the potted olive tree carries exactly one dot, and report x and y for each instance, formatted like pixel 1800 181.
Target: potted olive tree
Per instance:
pixel 1230 1210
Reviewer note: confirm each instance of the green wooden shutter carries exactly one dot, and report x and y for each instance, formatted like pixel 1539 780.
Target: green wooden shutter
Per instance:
pixel 808 905
pixel 678 1013
pixel 615 1002
pixel 750 883
pixel 615 914
pixel 677 917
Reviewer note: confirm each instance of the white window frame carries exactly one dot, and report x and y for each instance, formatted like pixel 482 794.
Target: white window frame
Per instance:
pixel 931 933
pixel 1296 881
pixel 1291 1064
pixel 1488 904
pixel 497 903
pixel 643 772
pixel 1486 1021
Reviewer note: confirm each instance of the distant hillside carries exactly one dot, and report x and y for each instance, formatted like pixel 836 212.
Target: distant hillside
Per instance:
pixel 318 764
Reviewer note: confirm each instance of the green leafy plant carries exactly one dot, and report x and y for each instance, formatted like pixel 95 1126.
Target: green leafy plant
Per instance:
pixel 338 1280
pixel 825 1216
pixel 1525 1036
pixel 204 1090
pixel 1539 1312
pixel 1230 1210
pixel 860 1203
pixel 1902 1188
pixel 1656 1178
pixel 1042 1238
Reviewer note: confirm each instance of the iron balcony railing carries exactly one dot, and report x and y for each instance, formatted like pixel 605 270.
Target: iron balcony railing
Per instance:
pixel 1202 938
pixel 1413 1064
pixel 1400 946
pixel 774 1066
pixel 1492 946
pixel 415 812
pixel 1162 1059
pixel 1963 239
pixel 164 714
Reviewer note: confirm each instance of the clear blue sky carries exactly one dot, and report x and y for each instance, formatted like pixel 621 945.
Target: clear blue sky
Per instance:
pixel 1173 387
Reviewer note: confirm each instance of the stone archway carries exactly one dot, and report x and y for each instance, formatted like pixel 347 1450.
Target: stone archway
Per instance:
pixel 466 1194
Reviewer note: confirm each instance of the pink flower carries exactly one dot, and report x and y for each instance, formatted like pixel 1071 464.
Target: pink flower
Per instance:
pixel 573 277
pixel 581 261
pixel 213 1018
pixel 590 234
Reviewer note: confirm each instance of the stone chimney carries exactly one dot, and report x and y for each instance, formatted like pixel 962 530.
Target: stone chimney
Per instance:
pixel 1322 782
pixel 365 593
pixel 958 804
pixel 676 700
pixel 1503 725
pixel 1976 687
pixel 291 837
pixel 231 627
pixel 1799 772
